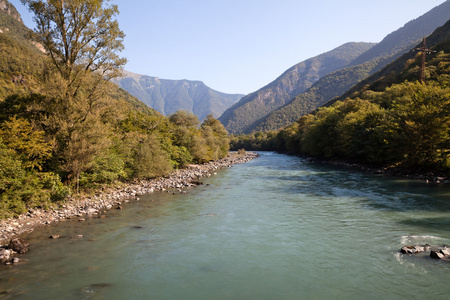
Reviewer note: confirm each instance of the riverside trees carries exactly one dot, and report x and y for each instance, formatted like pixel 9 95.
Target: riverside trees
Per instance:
pixel 78 128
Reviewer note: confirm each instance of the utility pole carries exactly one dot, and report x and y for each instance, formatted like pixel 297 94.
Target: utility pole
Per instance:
pixel 424 51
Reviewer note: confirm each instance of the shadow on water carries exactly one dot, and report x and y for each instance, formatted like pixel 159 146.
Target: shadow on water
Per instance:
pixel 372 191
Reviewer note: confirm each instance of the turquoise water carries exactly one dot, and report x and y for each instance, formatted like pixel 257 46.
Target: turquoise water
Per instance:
pixel 277 227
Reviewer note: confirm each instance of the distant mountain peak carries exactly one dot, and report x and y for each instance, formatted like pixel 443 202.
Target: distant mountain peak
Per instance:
pixel 168 96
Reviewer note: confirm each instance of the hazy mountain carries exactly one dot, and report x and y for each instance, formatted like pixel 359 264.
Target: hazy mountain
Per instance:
pixel 337 83
pixel 168 96
pixel 294 81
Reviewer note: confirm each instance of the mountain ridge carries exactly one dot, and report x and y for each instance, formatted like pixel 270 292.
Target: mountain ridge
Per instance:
pixel 293 81
pixel 168 96
pixel 409 35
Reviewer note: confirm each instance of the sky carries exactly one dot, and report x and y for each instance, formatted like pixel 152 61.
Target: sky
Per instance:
pixel 239 46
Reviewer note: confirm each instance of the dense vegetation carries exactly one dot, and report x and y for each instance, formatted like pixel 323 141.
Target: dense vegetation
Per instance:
pixel 65 129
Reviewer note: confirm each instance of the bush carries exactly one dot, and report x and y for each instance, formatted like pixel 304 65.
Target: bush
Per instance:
pixel 150 160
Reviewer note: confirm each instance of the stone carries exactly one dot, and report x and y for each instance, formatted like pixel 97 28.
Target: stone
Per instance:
pixel 445 251
pixel 413 249
pixel 54 236
pixel 91 211
pixel 19 245
pixel 5 255
pixel 436 254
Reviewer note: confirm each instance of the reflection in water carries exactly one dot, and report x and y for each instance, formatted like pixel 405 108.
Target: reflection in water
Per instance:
pixel 278 227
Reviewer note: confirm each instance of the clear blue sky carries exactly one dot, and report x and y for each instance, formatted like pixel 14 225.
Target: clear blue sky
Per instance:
pixel 238 46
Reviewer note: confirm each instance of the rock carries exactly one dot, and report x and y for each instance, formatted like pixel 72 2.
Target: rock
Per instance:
pixel 54 236
pixel 440 253
pixel 445 251
pixel 412 249
pixel 436 254
pixel 15 260
pixel 5 255
pixel 19 245
pixel 91 211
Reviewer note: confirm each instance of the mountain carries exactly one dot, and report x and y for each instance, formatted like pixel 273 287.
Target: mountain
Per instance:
pixel 406 67
pixel 336 83
pixel 168 96
pixel 294 81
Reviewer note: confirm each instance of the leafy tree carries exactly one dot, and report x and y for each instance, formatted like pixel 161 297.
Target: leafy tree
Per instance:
pixel 82 39
pixel 216 138
pixel 150 159
pixel 80 36
pixel 29 144
pixel 184 118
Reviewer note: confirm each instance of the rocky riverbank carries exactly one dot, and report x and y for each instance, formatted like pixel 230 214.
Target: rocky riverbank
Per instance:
pixel 82 207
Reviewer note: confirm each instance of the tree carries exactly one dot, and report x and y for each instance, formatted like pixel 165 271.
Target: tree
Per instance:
pixel 29 144
pixel 216 138
pixel 80 36
pixel 184 118
pixel 82 39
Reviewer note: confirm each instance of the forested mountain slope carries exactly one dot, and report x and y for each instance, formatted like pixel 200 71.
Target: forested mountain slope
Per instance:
pixel 395 72
pixel 336 83
pixel 294 81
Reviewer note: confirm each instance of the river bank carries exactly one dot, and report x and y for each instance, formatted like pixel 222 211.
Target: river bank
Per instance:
pixel 81 207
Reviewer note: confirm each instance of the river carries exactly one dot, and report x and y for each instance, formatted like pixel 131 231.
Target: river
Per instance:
pixel 277 227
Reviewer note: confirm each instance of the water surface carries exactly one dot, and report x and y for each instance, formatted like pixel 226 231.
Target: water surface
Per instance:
pixel 277 227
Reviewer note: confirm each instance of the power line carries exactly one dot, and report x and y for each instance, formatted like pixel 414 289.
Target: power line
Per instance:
pixel 424 51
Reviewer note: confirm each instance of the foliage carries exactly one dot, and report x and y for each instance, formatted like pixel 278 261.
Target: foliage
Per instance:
pixel 21 189
pixel 150 160
pixel 29 144
pixel 411 131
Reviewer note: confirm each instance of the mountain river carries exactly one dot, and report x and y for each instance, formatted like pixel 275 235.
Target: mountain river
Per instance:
pixel 277 227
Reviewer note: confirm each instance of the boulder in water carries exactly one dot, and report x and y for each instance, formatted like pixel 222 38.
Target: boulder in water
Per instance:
pixel 440 253
pixel 19 245
pixel 414 249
